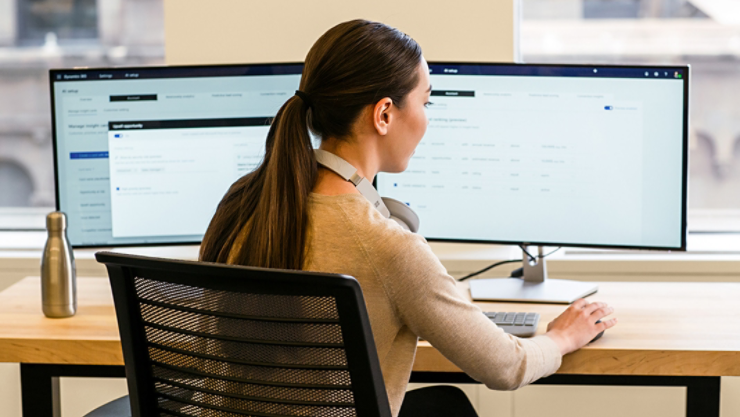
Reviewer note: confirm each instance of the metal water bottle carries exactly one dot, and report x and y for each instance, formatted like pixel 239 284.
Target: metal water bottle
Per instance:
pixel 58 280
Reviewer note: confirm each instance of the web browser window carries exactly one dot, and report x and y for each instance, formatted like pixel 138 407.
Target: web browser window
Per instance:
pixel 145 156
pixel 563 155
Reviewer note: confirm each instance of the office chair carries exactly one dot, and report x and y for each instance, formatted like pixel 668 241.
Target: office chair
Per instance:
pixel 203 339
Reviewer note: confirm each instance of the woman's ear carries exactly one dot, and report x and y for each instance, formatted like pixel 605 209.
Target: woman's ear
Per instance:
pixel 382 115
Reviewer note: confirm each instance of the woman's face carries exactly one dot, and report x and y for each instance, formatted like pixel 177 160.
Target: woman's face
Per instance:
pixel 408 125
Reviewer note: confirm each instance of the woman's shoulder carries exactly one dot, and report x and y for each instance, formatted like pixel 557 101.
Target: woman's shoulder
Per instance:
pixel 353 213
pixel 357 212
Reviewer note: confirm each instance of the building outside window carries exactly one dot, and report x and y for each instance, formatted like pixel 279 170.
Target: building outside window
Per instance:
pixel 67 20
pixel 702 33
pixel 36 35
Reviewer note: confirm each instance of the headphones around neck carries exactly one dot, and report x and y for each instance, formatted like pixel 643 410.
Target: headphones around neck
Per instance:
pixel 388 207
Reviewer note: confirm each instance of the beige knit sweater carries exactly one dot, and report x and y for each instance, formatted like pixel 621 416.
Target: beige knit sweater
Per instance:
pixel 409 295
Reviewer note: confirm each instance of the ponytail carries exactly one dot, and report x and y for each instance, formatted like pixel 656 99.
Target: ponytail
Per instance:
pixel 262 221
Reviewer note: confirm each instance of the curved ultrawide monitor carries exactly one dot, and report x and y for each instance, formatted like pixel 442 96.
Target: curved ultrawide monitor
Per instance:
pixel 144 155
pixel 556 155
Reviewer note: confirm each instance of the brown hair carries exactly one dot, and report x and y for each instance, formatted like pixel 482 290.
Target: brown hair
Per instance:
pixel 265 213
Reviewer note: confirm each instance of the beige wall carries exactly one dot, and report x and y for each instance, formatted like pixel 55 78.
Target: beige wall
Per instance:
pixel 229 31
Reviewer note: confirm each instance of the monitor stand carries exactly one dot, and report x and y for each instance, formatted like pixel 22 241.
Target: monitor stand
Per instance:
pixel 534 287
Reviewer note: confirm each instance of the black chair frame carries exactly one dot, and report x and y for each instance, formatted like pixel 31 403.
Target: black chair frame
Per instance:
pixel 369 391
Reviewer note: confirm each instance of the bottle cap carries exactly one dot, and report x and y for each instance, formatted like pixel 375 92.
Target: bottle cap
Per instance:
pixel 56 221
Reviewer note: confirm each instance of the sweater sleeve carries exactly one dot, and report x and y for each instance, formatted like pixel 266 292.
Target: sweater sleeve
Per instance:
pixel 428 301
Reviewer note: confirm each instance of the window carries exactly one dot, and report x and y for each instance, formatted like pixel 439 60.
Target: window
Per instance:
pixel 36 35
pixel 702 33
pixel 66 20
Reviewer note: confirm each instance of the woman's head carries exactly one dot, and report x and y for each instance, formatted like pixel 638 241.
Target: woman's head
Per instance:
pixel 356 68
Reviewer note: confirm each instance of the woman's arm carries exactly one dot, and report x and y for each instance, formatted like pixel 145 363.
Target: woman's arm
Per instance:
pixel 427 300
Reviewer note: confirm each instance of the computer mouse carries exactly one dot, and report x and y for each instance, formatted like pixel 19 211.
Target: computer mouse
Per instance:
pixel 598 336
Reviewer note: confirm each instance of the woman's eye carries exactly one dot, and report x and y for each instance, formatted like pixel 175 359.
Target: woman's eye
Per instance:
pixel 427 104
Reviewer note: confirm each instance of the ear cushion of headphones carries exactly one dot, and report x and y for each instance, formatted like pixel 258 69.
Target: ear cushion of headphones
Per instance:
pixel 403 214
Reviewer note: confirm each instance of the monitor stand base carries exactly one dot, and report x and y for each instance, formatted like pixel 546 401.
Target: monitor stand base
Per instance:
pixel 534 287
pixel 557 291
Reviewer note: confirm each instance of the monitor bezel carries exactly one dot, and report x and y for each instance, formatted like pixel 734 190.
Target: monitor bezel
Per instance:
pixel 686 78
pixel 684 189
pixel 52 79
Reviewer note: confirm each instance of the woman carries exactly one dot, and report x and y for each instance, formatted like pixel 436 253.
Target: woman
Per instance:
pixel 364 90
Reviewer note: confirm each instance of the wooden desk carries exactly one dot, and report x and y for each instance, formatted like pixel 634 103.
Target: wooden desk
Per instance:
pixel 669 334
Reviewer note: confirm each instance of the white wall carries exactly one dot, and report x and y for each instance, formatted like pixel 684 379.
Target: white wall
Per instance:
pixel 228 31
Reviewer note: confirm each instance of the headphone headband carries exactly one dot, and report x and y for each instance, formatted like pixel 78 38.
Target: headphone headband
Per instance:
pixel 399 212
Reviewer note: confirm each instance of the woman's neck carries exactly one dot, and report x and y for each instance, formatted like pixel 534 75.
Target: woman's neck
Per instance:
pixel 362 158
pixel 329 183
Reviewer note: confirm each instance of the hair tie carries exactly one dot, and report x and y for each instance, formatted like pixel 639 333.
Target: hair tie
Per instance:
pixel 303 96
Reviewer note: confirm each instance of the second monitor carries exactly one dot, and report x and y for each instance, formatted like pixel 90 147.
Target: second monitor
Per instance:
pixel 551 155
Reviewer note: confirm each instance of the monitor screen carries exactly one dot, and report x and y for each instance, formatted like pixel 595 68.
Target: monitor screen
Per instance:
pixel 561 155
pixel 144 155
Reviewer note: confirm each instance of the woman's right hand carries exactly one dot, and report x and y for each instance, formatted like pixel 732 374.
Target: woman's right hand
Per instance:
pixel 578 325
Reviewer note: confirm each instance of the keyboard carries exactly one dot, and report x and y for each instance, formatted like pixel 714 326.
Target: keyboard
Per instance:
pixel 517 324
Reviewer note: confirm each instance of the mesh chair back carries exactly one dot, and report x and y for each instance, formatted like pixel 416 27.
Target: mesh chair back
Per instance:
pixel 209 340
